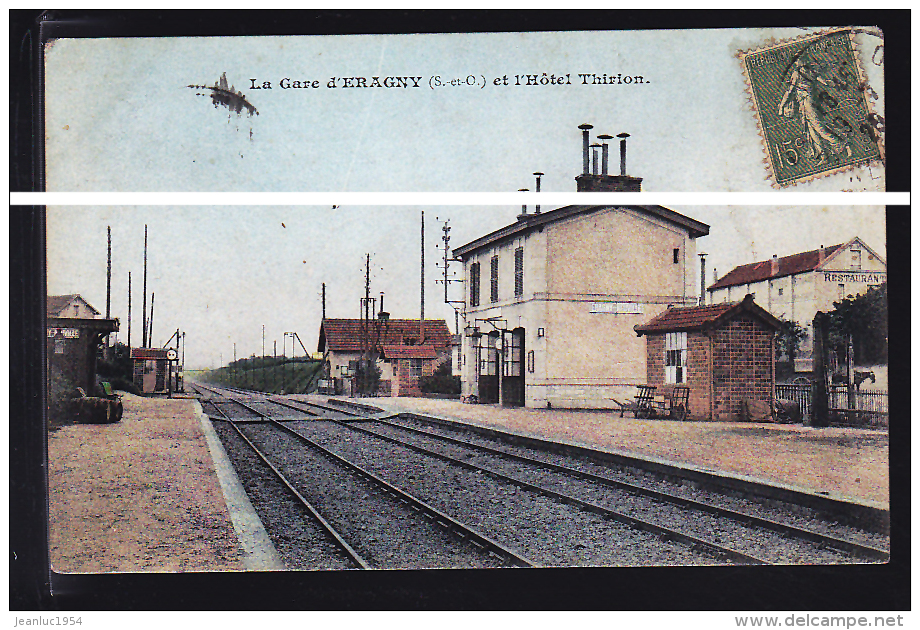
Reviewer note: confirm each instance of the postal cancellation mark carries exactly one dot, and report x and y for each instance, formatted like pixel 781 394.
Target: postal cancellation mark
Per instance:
pixel 811 104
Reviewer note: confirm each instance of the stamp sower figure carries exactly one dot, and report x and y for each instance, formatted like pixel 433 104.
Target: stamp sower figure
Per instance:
pixel 808 96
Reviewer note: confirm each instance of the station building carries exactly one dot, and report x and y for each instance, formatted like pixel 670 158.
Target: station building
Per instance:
pixel 795 287
pixel 405 350
pixel 74 334
pixel 553 298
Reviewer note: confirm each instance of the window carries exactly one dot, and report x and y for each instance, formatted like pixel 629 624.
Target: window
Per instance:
pixel 675 357
pixel 780 291
pixel 474 284
pixel 494 270
pixel 855 258
pixel 58 346
pixel 676 255
pixel 488 356
pixel 519 272
pixel 841 291
pixel 513 356
pixel 415 367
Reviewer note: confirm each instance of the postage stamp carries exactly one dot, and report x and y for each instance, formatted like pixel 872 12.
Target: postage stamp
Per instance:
pixel 810 100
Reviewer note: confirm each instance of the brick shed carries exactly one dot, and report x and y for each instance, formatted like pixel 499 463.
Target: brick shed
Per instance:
pixel 723 352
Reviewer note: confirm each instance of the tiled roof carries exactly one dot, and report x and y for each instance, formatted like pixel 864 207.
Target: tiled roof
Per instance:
pixel 149 353
pixel 347 335
pixel 57 303
pixel 685 318
pixel 786 266
pixel 410 352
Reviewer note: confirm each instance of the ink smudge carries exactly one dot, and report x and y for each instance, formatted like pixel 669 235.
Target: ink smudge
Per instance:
pixel 223 94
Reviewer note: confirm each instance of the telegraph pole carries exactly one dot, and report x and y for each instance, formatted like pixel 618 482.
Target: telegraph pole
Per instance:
pixel 150 326
pixel 108 279
pixel 144 305
pixel 421 323
pixel 129 313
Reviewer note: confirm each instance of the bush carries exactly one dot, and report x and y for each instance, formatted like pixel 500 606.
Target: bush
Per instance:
pixel 441 382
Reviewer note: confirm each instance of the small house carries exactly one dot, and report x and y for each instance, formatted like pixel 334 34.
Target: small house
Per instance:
pixel 74 334
pixel 724 353
pixel 403 349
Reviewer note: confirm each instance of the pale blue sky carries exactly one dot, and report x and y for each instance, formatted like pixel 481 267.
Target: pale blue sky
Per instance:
pixel 120 117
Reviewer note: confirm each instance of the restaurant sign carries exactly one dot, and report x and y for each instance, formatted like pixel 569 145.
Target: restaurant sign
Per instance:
pixel 867 277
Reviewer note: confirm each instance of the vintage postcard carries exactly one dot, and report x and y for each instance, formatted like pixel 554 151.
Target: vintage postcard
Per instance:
pixel 744 110
pixel 321 389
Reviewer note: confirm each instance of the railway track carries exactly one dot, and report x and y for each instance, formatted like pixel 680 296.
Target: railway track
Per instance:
pixel 371 522
pixel 705 531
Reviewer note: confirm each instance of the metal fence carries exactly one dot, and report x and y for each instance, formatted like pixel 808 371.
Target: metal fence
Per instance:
pixel 871 402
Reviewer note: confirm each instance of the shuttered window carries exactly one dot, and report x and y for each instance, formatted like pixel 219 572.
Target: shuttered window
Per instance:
pixel 519 272
pixel 675 357
pixel 494 269
pixel 474 284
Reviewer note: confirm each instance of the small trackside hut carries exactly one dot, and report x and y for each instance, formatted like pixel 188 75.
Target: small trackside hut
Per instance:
pixel 724 353
pixel 75 333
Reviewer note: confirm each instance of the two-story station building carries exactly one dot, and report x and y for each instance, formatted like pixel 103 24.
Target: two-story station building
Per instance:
pixel 552 299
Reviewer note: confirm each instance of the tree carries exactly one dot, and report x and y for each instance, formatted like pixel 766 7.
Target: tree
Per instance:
pixel 442 381
pixel 368 377
pixel 865 319
pixel 789 336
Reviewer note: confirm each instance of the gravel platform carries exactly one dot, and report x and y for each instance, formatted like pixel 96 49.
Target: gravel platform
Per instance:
pixel 138 495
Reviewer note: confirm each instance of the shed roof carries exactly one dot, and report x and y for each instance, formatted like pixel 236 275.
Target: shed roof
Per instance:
pixel 410 352
pixel 687 318
pixel 530 222
pixel 347 335
pixel 785 266
pixel 149 353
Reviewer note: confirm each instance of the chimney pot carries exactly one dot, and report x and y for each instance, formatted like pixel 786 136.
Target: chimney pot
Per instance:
pixel 595 146
pixel 605 153
pixel 539 175
pixel 524 206
pixel 585 141
pixel 622 137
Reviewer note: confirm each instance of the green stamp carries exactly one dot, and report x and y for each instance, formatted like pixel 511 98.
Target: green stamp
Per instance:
pixel 810 98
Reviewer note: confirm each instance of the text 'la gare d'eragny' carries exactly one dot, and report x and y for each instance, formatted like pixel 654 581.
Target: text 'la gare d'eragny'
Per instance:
pixel 441 81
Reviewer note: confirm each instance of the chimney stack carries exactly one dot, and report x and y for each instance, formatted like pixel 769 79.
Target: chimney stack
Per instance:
pixel 622 137
pixel 774 266
pixel 539 175
pixel 600 179
pixel 821 255
pixel 585 141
